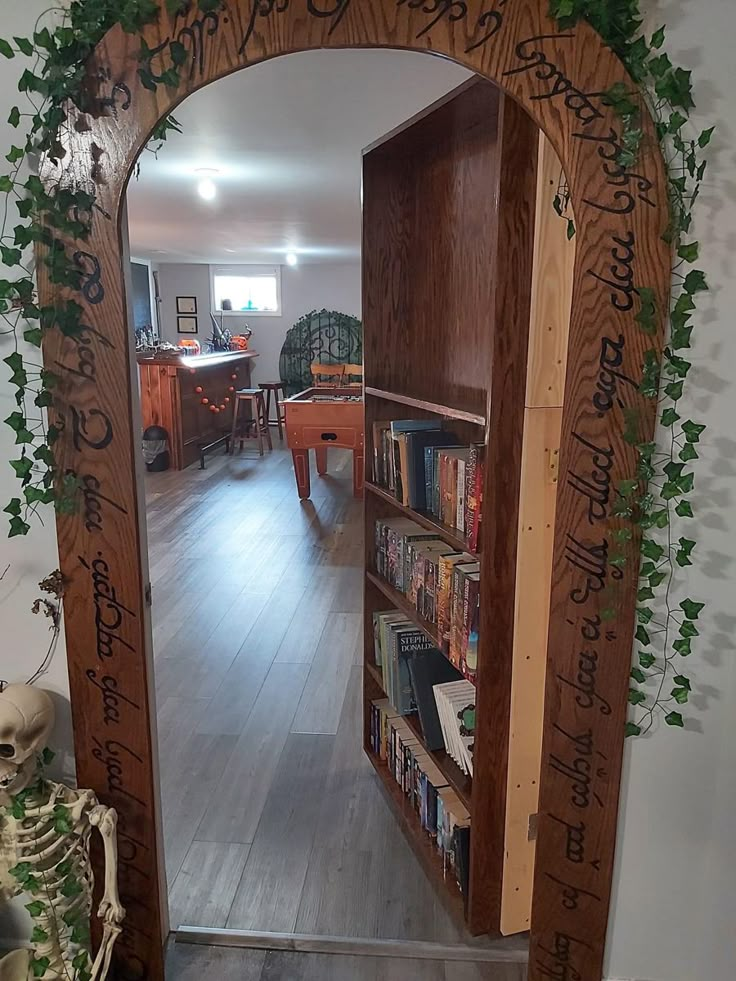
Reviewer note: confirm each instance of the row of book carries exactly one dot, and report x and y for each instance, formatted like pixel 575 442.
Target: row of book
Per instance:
pixel 440 811
pixel 429 469
pixel 441 583
pixel 418 678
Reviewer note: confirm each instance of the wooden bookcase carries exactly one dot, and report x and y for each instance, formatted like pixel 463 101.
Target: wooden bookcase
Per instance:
pixel 466 299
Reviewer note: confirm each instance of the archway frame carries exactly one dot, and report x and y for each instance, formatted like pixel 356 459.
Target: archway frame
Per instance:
pixel 559 78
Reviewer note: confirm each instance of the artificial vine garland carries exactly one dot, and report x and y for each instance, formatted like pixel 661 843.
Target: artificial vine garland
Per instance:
pixel 655 498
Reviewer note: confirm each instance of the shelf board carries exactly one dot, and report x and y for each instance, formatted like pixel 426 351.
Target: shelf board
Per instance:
pixel 402 603
pixel 423 518
pixel 459 781
pixel 420 842
pixel 448 411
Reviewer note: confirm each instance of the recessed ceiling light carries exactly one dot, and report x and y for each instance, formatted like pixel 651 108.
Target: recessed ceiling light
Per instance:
pixel 291 259
pixel 206 187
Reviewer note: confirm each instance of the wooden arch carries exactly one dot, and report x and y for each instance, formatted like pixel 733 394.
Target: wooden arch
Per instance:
pixel 558 77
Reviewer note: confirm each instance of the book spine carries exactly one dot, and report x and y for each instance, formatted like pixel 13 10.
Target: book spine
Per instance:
pixel 465 632
pixel 456 617
pixel 473 530
pixel 428 476
pixel 396 455
pixel 418 583
pixel 471 652
pixel 444 574
pixel 430 585
pixel 470 502
pixel 436 467
pixel 460 495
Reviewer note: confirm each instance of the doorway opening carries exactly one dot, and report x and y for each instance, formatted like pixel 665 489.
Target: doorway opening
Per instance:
pixel 271 811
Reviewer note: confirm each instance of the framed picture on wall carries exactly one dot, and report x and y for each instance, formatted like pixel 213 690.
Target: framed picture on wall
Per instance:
pixel 186 325
pixel 186 304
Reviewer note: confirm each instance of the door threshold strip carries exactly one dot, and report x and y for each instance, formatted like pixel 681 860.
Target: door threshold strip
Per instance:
pixel 308 943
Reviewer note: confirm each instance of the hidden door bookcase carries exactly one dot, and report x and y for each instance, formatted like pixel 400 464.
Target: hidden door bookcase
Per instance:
pixel 466 296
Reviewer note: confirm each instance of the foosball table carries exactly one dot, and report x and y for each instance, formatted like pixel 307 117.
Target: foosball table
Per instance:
pixel 319 418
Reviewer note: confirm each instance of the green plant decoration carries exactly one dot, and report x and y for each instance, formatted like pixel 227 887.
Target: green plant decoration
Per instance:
pixel 656 498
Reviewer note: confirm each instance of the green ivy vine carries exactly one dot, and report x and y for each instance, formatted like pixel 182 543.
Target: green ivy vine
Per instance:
pixel 656 498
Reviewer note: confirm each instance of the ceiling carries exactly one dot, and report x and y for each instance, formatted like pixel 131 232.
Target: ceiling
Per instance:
pixel 286 137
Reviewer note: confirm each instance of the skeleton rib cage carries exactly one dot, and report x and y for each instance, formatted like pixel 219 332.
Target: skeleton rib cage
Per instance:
pixel 41 857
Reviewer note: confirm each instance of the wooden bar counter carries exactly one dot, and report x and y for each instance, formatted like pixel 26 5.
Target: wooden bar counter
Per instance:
pixel 173 388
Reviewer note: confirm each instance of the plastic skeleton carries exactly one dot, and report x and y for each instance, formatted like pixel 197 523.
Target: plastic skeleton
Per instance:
pixel 44 850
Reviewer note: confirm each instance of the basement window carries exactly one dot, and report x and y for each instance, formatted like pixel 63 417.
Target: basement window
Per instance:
pixel 246 290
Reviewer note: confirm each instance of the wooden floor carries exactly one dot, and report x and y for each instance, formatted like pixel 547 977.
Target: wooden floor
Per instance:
pixel 273 819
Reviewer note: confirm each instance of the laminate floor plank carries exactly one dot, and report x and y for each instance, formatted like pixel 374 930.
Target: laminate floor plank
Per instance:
pixel 324 693
pixel 269 892
pixel 235 806
pixel 205 887
pixel 192 962
pixel 273 817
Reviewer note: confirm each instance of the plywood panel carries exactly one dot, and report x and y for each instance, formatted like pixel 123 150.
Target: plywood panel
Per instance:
pixel 552 280
pixel 537 501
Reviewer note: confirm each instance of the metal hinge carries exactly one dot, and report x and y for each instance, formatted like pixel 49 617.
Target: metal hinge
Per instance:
pixel 532 830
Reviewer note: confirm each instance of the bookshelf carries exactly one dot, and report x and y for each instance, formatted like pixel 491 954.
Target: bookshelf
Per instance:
pixel 466 299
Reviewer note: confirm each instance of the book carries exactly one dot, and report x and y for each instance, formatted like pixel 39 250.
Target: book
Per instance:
pixel 426 670
pixel 407 640
pixel 471 598
pixel 460 508
pixel 380 463
pixel 428 608
pixel 457 595
pixel 399 427
pixel 445 566
pixel 449 508
pixel 474 474
pixel 417 443
pixel 456 710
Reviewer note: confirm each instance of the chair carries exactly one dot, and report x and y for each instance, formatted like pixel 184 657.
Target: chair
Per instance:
pixel 275 387
pixel 332 372
pixel 258 421
pixel 320 337
pixel 352 371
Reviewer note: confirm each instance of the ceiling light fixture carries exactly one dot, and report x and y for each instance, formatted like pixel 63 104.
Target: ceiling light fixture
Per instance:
pixel 291 259
pixel 207 188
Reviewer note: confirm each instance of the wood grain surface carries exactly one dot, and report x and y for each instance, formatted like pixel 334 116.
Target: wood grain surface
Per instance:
pixel 620 217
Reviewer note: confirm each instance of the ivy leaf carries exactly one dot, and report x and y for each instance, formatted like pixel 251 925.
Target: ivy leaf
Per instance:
pixel 669 417
pixel 688 452
pixel 638 675
pixel 657 39
pixel 18 527
pixel 682 556
pixel 680 695
pixel 39 966
pixel 683 681
pixel 688 629
pixel 656 579
pixel 659 66
pixel 689 252
pixel 36 907
pixel 695 282
pixel 692 431
pixel 674 390
pixel 691 609
pixel 675 86
pixel 178 52
pixel 14 117
pixel 62 820
pixel 39 935
pixel 632 729
pixel 70 887
pixel 674 719
pixel 47 756
pixel 557 204
pixel 684 509
pixel 6 184
pixel 704 138
pixel 642 636
pixel 644 614
pixel 636 697
pixel 644 594
pixel 683 646
pixel 33 335
pixel 652 550
pixel 5 49
pixel 23 468
pixel 24 46
pixel 647 660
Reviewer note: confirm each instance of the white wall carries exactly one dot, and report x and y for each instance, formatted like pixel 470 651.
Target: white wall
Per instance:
pixel 675 899
pixel 311 286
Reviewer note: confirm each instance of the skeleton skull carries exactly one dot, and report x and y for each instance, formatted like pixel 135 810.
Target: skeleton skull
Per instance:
pixel 26 719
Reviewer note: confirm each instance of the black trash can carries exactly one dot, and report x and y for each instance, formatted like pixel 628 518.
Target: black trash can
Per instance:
pixel 156 449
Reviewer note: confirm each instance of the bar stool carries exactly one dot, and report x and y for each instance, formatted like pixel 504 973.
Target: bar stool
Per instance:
pixel 275 387
pixel 259 420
